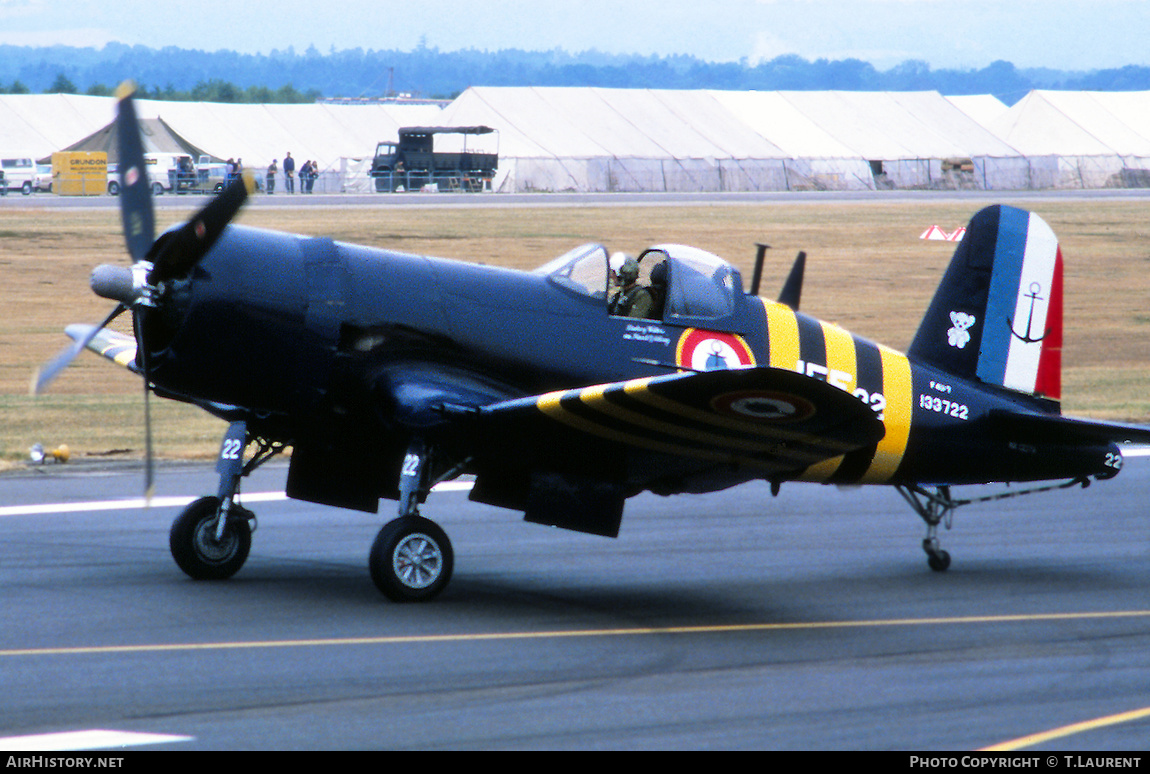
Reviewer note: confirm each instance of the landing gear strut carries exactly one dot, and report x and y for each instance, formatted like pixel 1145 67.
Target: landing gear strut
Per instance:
pixel 935 508
pixel 211 538
pixel 411 559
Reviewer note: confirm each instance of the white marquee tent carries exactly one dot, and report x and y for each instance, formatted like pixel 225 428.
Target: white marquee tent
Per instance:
pixel 594 139
pixel 1079 139
pixel 591 139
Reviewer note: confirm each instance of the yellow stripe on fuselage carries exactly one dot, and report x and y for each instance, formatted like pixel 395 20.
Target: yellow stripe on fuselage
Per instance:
pixel 842 372
pixel 782 335
pixel 897 387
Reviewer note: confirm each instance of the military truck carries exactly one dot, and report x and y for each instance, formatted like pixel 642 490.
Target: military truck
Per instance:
pixel 413 162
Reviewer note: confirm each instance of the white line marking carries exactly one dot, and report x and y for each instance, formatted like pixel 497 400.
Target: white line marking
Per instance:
pixel 168 502
pixel 94 739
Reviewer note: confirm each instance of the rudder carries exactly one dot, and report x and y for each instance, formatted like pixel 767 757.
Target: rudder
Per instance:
pixel 997 314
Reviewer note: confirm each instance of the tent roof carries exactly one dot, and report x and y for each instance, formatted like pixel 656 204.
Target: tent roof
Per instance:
pixel 1040 126
pixel 898 125
pixel 38 125
pixel 157 136
pixel 783 124
pixel 983 108
pixel 625 123
pixel 1080 123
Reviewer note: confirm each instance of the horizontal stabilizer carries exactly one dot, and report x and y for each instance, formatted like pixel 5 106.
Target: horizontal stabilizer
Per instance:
pixel 1068 431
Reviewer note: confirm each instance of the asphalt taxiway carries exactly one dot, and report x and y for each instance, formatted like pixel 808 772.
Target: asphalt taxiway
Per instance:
pixel 734 620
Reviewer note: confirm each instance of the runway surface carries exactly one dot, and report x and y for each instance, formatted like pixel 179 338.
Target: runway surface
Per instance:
pixel 732 620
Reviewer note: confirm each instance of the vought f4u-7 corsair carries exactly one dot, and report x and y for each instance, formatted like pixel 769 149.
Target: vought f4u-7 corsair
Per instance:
pixel 560 409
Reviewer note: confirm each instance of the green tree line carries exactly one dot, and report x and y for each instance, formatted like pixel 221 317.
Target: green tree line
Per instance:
pixel 204 91
pixel 290 76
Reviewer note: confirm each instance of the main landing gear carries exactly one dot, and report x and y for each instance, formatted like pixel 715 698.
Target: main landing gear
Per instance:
pixel 411 559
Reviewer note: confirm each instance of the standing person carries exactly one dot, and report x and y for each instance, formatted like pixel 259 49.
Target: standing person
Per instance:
pixel 289 173
pixel 271 178
pixel 312 174
pixel 304 176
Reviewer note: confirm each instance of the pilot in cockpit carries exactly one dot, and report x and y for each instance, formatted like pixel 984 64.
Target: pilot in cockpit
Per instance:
pixel 632 299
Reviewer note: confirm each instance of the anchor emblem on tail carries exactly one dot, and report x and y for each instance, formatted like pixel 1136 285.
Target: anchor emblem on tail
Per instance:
pixel 1035 289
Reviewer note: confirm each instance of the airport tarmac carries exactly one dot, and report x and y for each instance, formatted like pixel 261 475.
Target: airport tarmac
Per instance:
pixel 734 620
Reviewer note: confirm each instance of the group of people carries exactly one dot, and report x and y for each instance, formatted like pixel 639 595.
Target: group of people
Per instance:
pixel 307 175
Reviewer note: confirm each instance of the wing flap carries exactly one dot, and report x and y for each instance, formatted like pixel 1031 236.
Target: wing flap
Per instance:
pixel 765 418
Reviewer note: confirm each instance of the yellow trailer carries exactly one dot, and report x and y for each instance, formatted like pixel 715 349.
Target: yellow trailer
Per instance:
pixel 80 173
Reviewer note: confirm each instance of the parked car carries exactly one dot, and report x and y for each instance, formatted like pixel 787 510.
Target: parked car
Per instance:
pixel 43 179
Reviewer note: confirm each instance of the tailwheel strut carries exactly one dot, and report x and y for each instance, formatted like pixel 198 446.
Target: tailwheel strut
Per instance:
pixel 934 507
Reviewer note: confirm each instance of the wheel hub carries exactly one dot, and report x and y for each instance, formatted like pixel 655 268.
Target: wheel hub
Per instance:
pixel 210 549
pixel 417 561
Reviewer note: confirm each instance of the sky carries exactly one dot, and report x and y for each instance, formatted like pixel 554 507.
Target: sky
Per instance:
pixel 950 34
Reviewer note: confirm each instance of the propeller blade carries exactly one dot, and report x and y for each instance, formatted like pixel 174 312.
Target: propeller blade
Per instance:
pixel 182 250
pixel 135 191
pixel 44 376
pixel 149 465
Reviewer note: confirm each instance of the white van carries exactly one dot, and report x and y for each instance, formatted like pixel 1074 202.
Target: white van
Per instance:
pixel 19 174
pixel 162 169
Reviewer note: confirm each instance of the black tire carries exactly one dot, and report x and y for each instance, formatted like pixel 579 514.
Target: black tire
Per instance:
pixel 114 187
pixel 411 560
pixel 26 189
pixel 939 562
pixel 194 546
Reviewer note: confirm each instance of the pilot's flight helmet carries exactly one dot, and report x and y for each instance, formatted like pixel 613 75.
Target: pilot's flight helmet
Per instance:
pixel 629 271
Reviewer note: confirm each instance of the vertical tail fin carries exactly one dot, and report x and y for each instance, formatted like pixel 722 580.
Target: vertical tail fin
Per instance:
pixel 997 315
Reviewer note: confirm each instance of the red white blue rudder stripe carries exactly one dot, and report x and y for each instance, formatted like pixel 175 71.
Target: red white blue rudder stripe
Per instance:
pixel 997 315
pixel 1026 296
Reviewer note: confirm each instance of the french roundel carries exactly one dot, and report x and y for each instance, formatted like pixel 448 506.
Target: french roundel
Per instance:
pixel 764 406
pixel 702 350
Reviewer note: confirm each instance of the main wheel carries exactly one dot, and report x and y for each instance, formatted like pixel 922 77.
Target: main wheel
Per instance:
pixel 411 559
pixel 194 545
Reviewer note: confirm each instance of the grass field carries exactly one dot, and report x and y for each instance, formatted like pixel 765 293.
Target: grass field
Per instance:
pixel 867 270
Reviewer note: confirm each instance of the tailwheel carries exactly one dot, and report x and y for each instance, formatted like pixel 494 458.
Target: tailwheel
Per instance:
pixel 205 549
pixel 411 559
pixel 937 558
